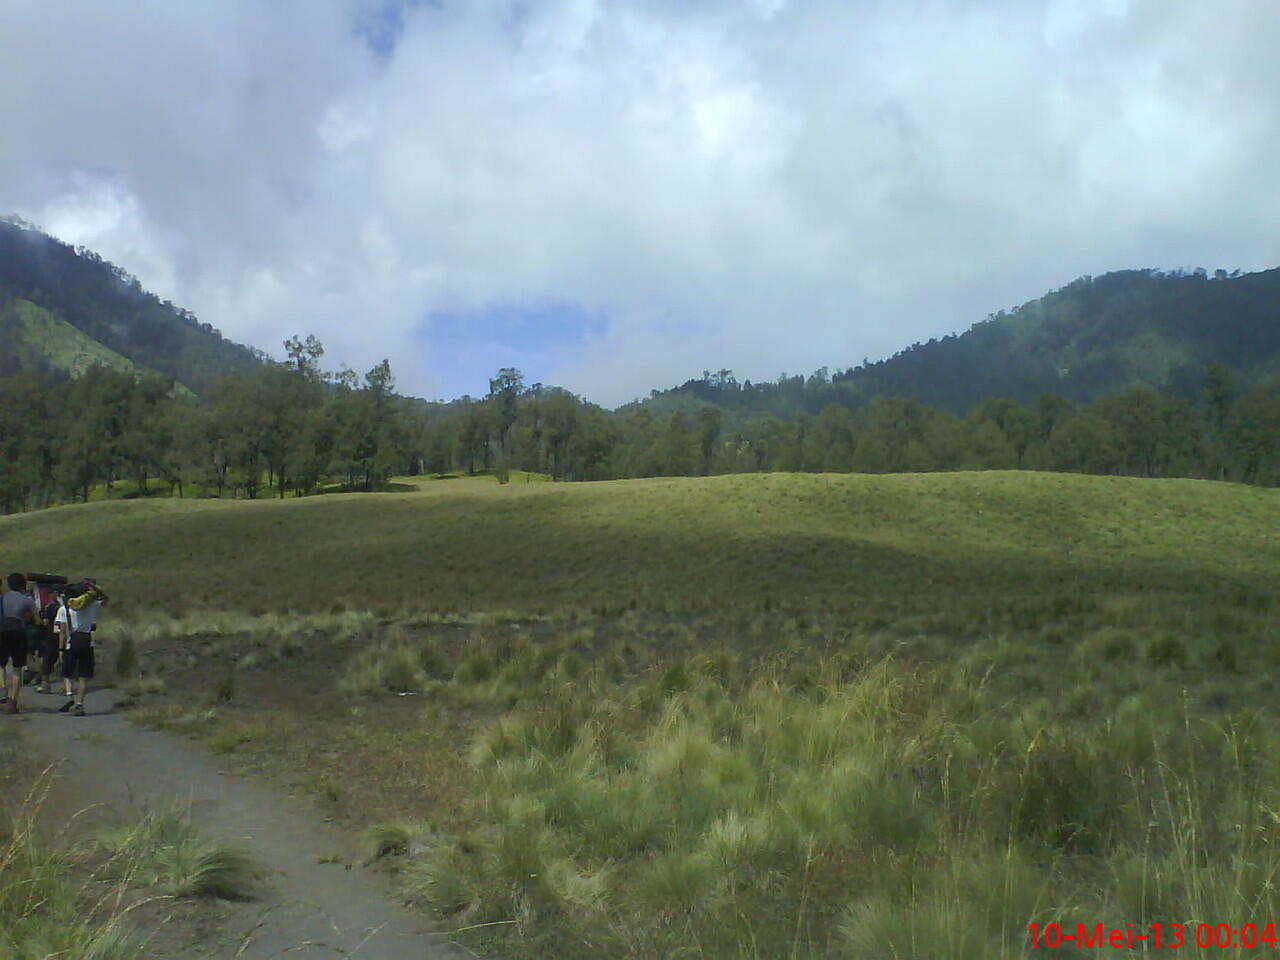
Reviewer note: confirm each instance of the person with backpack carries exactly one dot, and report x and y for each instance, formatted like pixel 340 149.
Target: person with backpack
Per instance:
pixel 16 611
pixel 49 652
pixel 74 624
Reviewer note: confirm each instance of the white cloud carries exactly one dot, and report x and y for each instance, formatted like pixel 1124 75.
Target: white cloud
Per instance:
pixel 761 185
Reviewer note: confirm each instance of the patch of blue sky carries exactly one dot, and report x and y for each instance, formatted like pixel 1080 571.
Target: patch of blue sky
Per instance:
pixel 465 350
pixel 379 23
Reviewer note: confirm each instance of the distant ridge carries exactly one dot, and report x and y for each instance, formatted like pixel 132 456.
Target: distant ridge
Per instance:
pixel 1095 336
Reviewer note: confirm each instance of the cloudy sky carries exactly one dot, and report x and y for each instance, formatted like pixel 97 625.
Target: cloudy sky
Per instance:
pixel 615 196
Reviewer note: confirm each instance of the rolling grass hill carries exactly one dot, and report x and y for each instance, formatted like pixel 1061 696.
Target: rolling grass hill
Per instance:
pixel 795 541
pixel 796 716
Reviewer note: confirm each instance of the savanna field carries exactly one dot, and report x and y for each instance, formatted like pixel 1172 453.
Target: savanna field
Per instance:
pixel 778 716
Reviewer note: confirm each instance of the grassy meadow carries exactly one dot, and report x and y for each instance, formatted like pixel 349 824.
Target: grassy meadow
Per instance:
pixel 752 716
pixel 800 542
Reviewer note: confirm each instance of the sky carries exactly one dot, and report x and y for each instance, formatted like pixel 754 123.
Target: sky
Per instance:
pixel 616 196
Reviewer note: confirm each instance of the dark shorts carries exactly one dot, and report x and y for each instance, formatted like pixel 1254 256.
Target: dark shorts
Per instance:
pixel 13 648
pixel 48 644
pixel 77 659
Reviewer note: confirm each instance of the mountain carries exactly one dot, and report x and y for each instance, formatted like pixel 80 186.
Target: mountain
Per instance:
pixel 1095 336
pixel 48 289
pixel 63 308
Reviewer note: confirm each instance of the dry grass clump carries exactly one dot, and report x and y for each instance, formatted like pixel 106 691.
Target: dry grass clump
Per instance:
pixel 164 852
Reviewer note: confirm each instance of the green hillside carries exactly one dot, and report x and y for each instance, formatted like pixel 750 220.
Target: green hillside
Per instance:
pixel 108 305
pixel 35 338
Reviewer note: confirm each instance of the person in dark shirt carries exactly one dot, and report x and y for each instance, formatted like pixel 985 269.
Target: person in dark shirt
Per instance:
pixel 48 645
pixel 16 613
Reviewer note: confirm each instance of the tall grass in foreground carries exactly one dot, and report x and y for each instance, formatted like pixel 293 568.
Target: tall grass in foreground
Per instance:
pixel 831 806
pixel 48 908
pixel 72 898
pixel 783 786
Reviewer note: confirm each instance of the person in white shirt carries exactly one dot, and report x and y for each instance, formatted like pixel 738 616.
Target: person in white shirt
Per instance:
pixel 77 616
pixel 15 614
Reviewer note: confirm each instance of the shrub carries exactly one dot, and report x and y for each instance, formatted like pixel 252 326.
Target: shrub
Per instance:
pixel 165 852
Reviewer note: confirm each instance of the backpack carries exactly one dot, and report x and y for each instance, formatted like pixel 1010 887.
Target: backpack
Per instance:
pixel 45 590
pixel 10 624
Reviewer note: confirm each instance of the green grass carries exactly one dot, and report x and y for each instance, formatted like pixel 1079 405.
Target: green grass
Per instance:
pixel 781 786
pixel 800 542
pixel 753 716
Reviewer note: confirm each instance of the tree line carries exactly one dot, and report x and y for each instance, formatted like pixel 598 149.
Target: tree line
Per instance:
pixel 292 429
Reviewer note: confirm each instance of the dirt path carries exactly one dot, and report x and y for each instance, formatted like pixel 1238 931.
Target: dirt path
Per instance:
pixel 310 909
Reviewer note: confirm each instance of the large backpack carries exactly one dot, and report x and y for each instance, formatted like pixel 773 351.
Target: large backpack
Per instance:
pixel 45 588
pixel 10 624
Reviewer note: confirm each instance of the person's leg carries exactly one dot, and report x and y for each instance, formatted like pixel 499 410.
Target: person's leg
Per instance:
pixel 83 648
pixel 30 671
pixel 69 673
pixel 48 657
pixel 14 645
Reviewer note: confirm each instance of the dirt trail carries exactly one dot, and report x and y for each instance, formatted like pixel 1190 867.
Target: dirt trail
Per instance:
pixel 310 909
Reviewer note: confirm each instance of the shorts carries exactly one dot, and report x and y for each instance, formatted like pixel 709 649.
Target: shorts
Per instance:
pixel 48 643
pixel 13 648
pixel 77 659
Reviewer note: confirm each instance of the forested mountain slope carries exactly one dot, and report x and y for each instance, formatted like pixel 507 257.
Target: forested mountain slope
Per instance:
pixel 37 341
pixel 1095 336
pixel 108 306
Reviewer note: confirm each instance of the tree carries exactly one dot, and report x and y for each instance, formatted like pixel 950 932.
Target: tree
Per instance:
pixel 710 422
pixel 304 355
pixel 560 415
pixel 367 429
pixel 1251 430
pixel 504 393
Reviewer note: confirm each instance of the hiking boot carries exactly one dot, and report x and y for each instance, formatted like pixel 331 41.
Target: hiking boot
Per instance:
pixel 79 711
pixel 66 706
pixel 13 707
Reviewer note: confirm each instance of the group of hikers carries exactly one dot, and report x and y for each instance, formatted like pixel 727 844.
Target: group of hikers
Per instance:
pixel 44 619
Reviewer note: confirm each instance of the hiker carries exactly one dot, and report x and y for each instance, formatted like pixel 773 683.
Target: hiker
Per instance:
pixel 75 622
pixel 48 643
pixel 15 613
